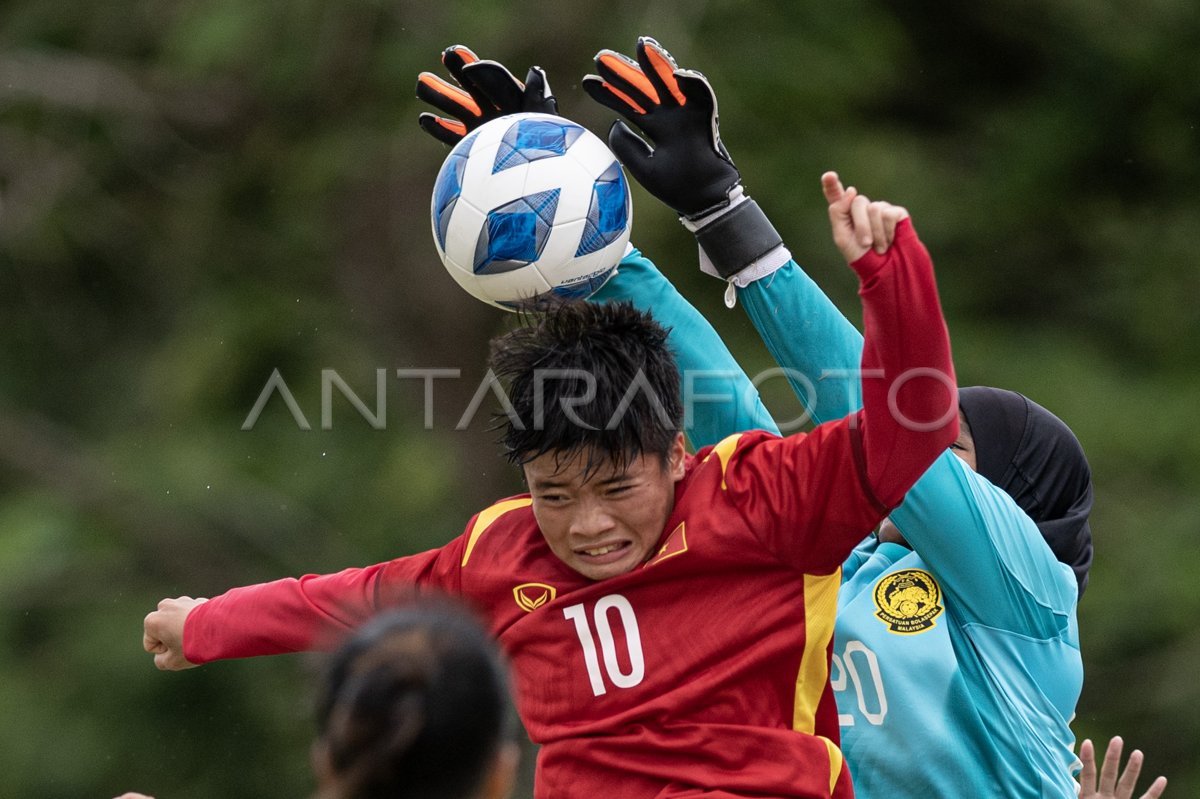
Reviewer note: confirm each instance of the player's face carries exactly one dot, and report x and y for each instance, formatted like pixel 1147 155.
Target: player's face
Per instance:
pixel 610 522
pixel 964 445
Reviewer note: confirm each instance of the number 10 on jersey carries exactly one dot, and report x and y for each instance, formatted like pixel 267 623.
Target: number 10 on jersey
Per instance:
pixel 619 677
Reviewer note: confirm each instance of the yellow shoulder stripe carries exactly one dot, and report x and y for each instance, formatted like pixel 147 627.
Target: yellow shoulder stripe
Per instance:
pixel 724 450
pixel 485 519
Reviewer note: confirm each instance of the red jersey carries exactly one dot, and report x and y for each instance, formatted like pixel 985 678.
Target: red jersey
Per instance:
pixel 705 670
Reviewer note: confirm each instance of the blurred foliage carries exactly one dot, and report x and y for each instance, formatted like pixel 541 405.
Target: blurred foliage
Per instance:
pixel 194 194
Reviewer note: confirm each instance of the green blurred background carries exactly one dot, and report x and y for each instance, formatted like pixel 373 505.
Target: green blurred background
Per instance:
pixel 194 194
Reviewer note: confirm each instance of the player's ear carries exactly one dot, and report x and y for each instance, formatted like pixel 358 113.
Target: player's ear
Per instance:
pixel 676 458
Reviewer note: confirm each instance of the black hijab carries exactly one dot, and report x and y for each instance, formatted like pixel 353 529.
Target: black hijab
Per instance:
pixel 1035 458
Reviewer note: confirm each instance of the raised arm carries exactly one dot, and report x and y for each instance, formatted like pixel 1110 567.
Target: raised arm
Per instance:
pixel 996 564
pixel 840 480
pixel 999 568
pixel 910 404
pixel 686 165
pixel 690 170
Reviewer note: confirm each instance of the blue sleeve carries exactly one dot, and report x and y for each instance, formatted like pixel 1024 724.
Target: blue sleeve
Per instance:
pixel 718 397
pixel 984 548
pixel 810 338
pixel 986 552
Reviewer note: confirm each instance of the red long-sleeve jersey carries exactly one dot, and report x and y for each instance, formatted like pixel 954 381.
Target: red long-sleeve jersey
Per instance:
pixel 705 670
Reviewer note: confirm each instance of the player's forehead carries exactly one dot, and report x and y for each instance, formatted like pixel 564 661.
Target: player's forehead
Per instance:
pixel 583 467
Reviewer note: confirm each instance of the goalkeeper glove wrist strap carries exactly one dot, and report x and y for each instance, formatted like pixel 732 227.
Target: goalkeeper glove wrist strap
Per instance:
pixel 738 238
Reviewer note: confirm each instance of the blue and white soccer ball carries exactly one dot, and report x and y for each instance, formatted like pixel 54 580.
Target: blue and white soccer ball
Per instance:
pixel 530 206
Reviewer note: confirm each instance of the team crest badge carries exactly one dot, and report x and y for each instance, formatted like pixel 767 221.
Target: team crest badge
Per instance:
pixel 531 596
pixel 908 601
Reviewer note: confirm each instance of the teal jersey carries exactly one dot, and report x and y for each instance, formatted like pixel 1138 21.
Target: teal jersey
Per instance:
pixel 956 663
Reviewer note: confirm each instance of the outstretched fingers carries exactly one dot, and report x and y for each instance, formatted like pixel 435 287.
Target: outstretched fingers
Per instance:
pixel 632 150
pixel 625 76
pixel 1129 777
pixel 1087 756
pixel 1111 766
pixel 1114 782
pixel 493 86
pixel 659 67
pixel 446 97
pixel 537 89
pixel 612 97
pixel 1156 788
pixel 447 131
pixel 457 56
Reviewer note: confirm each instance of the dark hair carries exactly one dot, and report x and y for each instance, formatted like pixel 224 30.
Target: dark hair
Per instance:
pixel 413 706
pixel 588 378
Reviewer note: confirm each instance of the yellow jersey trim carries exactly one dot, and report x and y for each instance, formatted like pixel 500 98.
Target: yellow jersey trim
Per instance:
pixel 487 517
pixel 836 761
pixel 724 450
pixel 820 607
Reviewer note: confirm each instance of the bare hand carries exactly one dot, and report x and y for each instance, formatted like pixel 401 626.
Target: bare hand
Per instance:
pixel 1110 787
pixel 131 795
pixel 859 224
pixel 163 632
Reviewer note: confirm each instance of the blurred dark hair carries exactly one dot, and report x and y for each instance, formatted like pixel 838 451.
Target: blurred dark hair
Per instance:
pixel 588 378
pixel 413 706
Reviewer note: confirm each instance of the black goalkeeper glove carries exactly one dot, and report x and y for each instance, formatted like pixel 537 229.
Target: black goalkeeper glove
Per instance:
pixel 488 90
pixel 687 167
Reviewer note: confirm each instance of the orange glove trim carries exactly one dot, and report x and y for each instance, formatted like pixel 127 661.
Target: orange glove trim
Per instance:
pixel 453 125
pixel 633 75
pixel 625 97
pixel 666 72
pixel 431 81
pixel 465 53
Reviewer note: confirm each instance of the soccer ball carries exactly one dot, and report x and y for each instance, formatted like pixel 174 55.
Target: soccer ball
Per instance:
pixel 529 207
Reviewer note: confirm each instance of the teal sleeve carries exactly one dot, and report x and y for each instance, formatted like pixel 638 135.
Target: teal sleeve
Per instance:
pixel 986 551
pixel 718 397
pixel 809 338
pixel 984 548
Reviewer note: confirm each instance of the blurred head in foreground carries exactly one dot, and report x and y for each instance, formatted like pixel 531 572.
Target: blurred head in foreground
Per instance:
pixel 415 705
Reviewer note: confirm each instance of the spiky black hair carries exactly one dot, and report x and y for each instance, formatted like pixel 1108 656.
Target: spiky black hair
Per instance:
pixel 588 378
